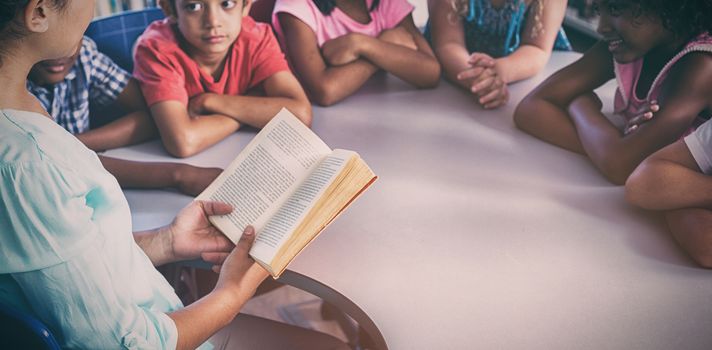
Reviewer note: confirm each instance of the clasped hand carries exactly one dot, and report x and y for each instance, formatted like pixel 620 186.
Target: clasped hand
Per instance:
pixel 484 81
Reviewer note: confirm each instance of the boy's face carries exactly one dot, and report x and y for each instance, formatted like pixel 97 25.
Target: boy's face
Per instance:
pixel 210 26
pixel 50 72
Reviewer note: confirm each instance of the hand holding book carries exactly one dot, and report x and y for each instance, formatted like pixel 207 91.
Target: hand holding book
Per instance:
pixel 289 185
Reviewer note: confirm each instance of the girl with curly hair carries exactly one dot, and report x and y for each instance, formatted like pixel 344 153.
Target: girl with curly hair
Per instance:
pixel 660 53
pixel 483 45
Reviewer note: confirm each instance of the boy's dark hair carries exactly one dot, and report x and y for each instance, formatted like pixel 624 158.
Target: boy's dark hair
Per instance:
pixel 9 30
pixel 172 4
pixel 686 18
pixel 326 6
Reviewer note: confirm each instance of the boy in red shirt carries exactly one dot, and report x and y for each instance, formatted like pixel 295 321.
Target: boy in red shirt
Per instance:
pixel 208 69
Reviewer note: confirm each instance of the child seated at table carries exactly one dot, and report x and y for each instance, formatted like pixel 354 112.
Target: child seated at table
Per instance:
pixel 66 87
pixel 334 47
pixel 483 45
pixel 660 53
pixel 208 69
pixel 677 180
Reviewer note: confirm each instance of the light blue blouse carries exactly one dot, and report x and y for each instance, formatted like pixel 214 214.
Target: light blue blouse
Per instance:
pixel 67 252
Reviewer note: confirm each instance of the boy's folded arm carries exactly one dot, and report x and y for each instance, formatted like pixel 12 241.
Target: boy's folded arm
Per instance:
pixel 134 126
pixel 183 135
pixel 324 84
pixel 131 128
pixel 280 90
pixel 418 67
pixel 686 93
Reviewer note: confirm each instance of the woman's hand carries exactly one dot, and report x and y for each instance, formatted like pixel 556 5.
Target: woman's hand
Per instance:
pixel 192 236
pixel 239 273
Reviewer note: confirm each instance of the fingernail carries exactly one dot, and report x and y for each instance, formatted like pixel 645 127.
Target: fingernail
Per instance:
pixel 648 115
pixel 249 231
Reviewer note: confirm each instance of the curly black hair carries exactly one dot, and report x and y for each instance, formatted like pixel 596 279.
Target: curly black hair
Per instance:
pixel 326 6
pixel 687 18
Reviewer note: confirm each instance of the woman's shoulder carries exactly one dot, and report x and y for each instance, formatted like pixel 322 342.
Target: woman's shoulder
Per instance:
pixel 33 138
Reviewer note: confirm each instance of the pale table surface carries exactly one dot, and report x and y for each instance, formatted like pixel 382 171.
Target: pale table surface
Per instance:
pixel 478 236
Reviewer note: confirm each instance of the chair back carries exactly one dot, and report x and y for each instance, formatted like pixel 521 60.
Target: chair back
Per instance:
pixel 115 35
pixel 21 330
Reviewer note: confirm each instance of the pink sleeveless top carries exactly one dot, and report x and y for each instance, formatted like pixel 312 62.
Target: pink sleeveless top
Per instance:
pixel 627 103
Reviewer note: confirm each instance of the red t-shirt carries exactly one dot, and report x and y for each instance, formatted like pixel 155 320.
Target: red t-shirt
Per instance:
pixel 166 72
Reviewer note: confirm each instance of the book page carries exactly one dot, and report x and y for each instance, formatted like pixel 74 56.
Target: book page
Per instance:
pixel 262 176
pixel 299 203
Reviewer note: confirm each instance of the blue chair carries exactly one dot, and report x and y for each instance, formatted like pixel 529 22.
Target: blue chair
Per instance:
pixel 115 35
pixel 20 330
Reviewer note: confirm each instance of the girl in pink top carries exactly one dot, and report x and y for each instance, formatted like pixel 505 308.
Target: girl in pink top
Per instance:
pixel 661 55
pixel 334 46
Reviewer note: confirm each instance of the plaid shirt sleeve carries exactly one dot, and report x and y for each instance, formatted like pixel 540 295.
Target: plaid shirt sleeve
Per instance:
pixel 105 78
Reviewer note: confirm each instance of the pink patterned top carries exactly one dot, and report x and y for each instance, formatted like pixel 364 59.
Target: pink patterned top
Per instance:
pixel 627 103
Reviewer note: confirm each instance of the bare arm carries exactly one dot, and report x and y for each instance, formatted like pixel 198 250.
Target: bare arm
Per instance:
pixel 687 92
pixel 535 49
pixel 189 179
pixel 448 37
pixel 190 236
pixel 670 179
pixel 281 89
pixel 133 127
pixel 544 112
pixel 183 135
pixel 324 84
pixel 418 66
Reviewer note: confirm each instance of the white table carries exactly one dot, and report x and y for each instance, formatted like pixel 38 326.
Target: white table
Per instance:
pixel 477 236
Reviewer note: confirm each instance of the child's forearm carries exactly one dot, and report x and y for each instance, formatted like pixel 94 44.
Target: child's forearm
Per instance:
pixel 454 58
pixel 416 68
pixel 547 121
pixel 602 141
pixel 338 82
pixel 132 174
pixel 523 63
pixel 184 136
pixel 257 111
pixel 130 129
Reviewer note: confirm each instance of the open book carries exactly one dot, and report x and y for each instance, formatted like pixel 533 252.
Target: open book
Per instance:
pixel 289 185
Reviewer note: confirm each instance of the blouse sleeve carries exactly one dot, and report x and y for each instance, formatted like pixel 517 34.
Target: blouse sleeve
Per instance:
pixel 52 247
pixel 44 218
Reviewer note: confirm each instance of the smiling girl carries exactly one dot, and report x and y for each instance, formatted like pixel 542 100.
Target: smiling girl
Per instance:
pixel 660 53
